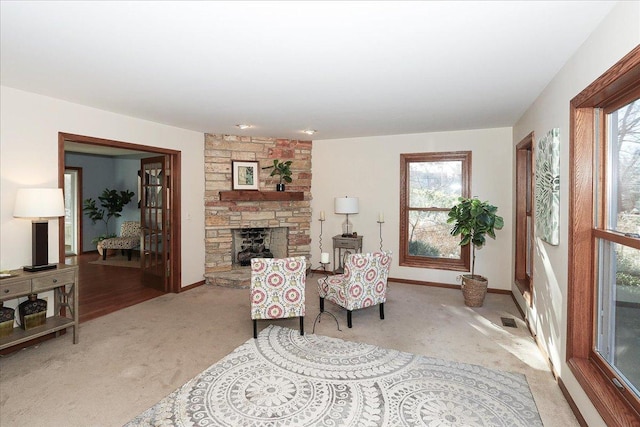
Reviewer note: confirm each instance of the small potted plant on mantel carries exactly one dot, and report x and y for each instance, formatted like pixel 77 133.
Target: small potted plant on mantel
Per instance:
pixel 473 220
pixel 283 170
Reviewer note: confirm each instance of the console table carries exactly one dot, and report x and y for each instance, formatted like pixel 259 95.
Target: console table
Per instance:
pixel 343 243
pixel 63 280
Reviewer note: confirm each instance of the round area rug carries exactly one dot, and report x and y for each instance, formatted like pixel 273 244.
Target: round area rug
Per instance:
pixel 283 378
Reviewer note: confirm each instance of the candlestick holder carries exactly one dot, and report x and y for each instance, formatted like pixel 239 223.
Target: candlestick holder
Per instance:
pixel 325 287
pixel 380 222
pixel 320 239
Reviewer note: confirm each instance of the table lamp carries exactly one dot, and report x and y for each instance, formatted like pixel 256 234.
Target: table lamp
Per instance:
pixel 39 205
pixel 346 205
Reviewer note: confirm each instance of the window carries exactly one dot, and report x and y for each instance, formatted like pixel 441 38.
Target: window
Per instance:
pixel 431 185
pixel 604 248
pixel 524 216
pixel 617 235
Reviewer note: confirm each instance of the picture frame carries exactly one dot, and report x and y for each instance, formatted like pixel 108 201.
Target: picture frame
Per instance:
pixel 244 175
pixel 547 187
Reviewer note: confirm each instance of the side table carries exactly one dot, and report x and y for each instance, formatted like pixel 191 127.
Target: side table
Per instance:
pixel 343 243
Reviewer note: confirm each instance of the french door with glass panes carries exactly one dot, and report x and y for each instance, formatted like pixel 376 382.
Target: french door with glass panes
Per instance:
pixel 155 221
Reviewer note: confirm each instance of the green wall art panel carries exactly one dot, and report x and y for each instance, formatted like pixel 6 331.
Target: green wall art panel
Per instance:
pixel 547 192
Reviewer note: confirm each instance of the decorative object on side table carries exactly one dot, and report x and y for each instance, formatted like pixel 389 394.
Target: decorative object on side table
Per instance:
pixel 40 205
pixel 33 312
pixel 6 320
pixel 283 170
pixel 347 205
pixel 473 220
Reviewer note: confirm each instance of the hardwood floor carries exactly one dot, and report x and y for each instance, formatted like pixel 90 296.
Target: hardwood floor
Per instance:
pixel 104 289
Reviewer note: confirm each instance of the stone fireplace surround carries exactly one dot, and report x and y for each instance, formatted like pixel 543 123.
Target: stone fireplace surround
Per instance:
pixel 223 216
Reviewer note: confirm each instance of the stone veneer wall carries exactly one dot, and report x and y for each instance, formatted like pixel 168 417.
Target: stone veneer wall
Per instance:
pixel 223 216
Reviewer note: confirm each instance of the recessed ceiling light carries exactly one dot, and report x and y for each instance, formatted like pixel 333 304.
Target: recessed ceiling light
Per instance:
pixel 243 126
pixel 309 131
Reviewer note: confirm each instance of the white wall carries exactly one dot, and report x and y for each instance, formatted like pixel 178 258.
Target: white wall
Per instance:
pixel 618 34
pixel 29 158
pixel 369 168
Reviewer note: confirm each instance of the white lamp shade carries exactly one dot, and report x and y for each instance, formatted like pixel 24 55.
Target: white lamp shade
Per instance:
pixel 39 203
pixel 346 205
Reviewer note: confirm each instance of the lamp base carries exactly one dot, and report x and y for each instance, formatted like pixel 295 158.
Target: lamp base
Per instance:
pixel 34 268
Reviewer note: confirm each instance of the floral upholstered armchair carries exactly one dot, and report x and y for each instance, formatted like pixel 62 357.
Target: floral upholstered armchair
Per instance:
pixel 129 239
pixel 363 284
pixel 277 289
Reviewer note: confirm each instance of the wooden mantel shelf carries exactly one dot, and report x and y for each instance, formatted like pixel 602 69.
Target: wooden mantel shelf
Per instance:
pixel 255 195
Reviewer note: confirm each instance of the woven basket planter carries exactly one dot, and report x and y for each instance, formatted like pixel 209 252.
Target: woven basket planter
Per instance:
pixel 474 290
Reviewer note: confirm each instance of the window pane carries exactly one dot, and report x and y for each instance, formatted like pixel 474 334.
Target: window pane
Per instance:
pixel 429 235
pixel 434 184
pixel 623 170
pixel 619 304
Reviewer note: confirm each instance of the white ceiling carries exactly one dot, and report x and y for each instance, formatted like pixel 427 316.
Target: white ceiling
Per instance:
pixel 346 69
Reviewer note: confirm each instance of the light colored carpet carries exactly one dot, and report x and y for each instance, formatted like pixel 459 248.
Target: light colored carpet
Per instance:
pixel 118 261
pixel 284 379
pixel 127 361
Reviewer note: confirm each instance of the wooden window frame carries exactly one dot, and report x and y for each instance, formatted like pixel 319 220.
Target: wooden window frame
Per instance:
pixel 464 262
pixel 617 85
pixel 525 164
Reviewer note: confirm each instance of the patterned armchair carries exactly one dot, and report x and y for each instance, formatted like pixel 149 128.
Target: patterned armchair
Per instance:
pixel 129 239
pixel 277 289
pixel 363 284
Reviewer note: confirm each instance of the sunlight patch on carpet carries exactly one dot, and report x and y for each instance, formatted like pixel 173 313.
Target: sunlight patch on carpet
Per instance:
pixel 283 378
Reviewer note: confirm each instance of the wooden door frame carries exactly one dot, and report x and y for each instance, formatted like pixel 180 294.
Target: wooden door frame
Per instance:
pixel 175 284
pixel 78 207
pixel 524 281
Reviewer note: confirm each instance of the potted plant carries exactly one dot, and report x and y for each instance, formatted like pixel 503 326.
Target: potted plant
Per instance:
pixel 283 170
pixel 473 220
pixel 112 203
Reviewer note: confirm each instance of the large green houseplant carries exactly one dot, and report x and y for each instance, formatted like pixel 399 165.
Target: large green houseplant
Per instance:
pixel 112 202
pixel 473 220
pixel 283 170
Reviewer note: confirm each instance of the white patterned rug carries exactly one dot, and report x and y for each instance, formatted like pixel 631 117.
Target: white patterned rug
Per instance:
pixel 283 378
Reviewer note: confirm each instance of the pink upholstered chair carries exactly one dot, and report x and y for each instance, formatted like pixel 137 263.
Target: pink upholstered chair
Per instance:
pixel 277 289
pixel 363 284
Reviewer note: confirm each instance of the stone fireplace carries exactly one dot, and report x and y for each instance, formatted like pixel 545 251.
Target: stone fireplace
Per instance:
pixel 258 243
pixel 227 210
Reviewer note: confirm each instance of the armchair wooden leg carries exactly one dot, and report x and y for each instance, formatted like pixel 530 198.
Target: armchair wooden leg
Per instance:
pixel 301 325
pixel 382 310
pixel 255 328
pixel 348 318
pixel 104 254
pixel 129 254
pixel 321 305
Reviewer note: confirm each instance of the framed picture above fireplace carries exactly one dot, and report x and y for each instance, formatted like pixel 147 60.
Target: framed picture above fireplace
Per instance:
pixel 245 175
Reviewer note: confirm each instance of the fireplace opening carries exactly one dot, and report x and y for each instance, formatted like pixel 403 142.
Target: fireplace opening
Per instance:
pixel 249 243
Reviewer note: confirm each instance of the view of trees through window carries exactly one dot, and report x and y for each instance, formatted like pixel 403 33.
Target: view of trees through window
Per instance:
pixel 626 167
pixel 431 186
pixel 618 340
pixel 434 189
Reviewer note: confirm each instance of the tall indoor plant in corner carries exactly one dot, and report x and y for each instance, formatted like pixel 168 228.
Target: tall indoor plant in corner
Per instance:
pixel 473 220
pixel 112 203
